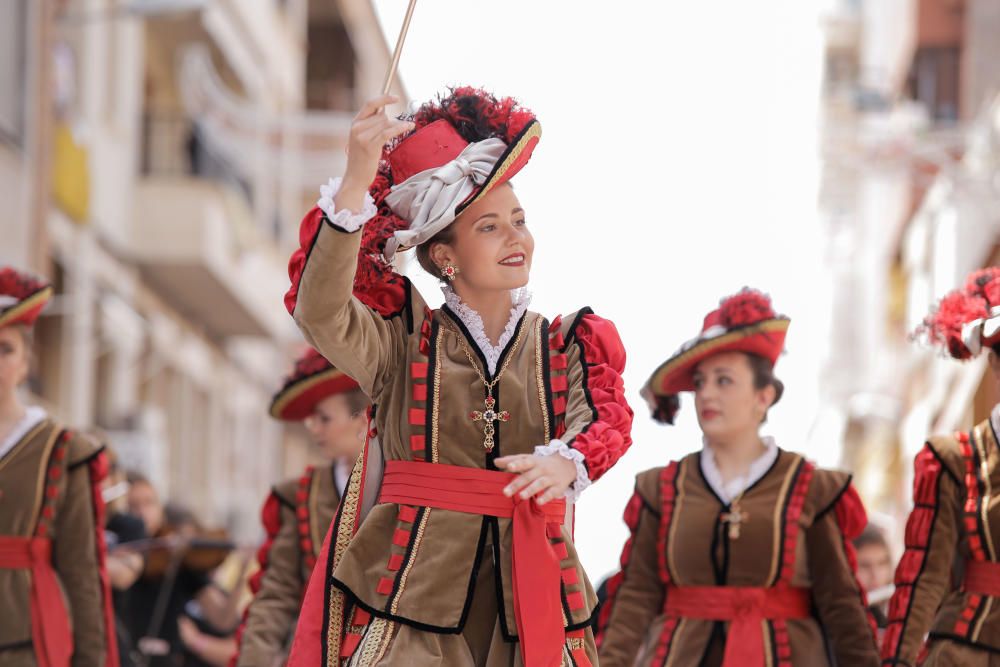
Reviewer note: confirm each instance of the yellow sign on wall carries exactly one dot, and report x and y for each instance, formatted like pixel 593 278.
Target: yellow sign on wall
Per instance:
pixel 70 175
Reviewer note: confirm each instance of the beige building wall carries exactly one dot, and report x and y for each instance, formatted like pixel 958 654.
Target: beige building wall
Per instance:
pixel 912 156
pixel 184 154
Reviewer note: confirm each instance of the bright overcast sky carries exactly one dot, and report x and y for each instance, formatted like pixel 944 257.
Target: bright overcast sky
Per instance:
pixel 678 163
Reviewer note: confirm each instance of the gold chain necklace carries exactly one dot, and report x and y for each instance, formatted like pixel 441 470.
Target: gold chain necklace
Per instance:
pixel 489 416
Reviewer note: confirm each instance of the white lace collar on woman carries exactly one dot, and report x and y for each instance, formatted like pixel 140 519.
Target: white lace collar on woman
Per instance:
pixel 520 298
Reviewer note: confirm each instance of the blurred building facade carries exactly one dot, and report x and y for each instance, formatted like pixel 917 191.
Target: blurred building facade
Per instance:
pixel 155 158
pixel 911 204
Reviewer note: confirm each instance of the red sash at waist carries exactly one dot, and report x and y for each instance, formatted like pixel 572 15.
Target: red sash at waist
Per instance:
pixel 50 630
pixel 744 608
pixel 982 577
pixel 537 604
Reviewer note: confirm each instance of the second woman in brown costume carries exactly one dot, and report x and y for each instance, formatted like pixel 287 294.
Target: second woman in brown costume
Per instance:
pixel 739 554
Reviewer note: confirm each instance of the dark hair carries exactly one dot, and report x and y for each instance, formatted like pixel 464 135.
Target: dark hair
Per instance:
pixel 872 535
pixel 763 376
pixel 423 250
pixel 996 348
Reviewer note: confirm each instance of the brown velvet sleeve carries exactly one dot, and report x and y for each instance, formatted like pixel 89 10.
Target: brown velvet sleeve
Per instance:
pixel 355 338
pixel 74 553
pixel 923 575
pixel 637 597
pixel 272 613
pixel 836 593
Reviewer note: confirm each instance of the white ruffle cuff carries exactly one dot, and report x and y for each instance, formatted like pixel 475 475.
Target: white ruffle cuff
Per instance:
pixel 562 449
pixel 347 220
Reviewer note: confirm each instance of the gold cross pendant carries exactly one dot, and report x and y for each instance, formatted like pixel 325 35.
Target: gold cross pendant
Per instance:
pixel 490 416
pixel 734 519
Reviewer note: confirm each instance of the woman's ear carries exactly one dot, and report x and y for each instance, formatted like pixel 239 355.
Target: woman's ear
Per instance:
pixel 768 395
pixel 440 254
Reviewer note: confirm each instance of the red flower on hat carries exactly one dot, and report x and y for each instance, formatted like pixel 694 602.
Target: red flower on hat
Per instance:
pixel 955 310
pixel 985 283
pixel 18 285
pixel 748 306
pixel 310 363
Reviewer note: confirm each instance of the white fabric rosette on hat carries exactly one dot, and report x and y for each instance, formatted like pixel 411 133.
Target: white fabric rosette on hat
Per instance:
pixel 428 200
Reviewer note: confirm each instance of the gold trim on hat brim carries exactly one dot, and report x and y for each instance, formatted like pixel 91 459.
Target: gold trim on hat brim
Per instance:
pixel 36 300
pixel 692 356
pixel 294 392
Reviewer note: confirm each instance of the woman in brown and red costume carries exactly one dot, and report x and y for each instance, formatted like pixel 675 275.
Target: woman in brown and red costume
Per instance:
pixel 299 511
pixel 55 604
pixel 948 579
pixel 490 419
pixel 739 554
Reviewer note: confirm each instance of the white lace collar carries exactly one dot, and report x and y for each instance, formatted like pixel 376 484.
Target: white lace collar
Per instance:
pixel 734 487
pixel 33 416
pixel 519 298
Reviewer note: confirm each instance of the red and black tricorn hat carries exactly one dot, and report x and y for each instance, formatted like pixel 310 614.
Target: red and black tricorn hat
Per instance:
pixel 22 297
pixel 966 320
pixel 313 379
pixel 744 322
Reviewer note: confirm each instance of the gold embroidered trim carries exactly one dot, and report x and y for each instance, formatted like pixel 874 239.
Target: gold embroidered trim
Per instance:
pixel 778 523
pixel 539 377
pixel 534 131
pixel 413 557
pixel 435 408
pixel 678 501
pixel 345 531
pixel 575 644
pixel 372 648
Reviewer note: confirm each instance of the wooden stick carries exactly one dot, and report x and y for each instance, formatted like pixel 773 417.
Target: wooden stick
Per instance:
pixel 394 63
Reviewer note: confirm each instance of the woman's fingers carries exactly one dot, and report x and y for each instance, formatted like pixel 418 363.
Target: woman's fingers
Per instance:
pixel 521 481
pixel 516 462
pixel 550 494
pixel 375 105
pixel 537 486
pixel 395 129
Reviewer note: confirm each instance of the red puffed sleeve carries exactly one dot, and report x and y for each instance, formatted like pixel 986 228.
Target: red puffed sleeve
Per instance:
pixel 598 418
